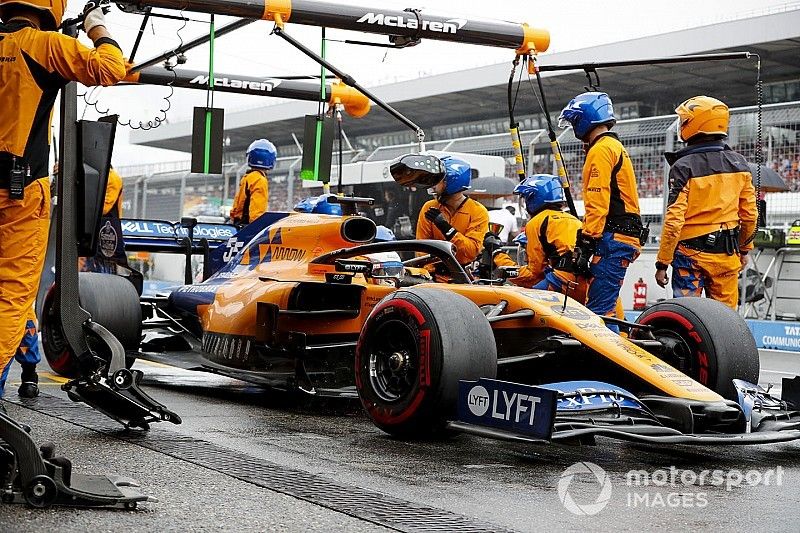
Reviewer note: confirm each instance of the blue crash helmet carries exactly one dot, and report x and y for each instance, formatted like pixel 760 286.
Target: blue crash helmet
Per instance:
pixel 387 264
pixel 318 204
pixel 586 111
pixel 384 234
pixel 458 174
pixel 261 154
pixel 539 190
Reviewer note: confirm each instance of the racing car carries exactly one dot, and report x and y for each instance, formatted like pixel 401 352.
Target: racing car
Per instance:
pixel 295 302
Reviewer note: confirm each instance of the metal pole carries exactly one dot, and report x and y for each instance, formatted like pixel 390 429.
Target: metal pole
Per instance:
pixel 347 79
pixel 144 196
pixel 355 103
pixel 136 196
pixel 290 184
pixel 203 39
pixel 654 61
pixel 407 23
pixel 182 195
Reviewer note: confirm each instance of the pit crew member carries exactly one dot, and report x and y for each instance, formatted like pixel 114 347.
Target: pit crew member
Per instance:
pixel 453 216
pixel 712 207
pixel 252 198
pixel 550 235
pixel 506 217
pixel 612 233
pixel 36 63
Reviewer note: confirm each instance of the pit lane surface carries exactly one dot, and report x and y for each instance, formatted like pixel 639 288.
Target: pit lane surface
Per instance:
pixel 502 485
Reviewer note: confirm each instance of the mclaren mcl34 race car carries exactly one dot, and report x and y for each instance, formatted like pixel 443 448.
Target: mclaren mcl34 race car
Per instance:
pixel 295 302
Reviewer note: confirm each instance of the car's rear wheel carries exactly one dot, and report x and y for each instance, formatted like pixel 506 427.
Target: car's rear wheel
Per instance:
pixel 112 301
pixel 706 340
pixel 414 348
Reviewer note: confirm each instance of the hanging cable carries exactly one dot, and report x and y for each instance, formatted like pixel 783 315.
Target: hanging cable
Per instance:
pixel 338 111
pixel 759 145
pixel 554 146
pixel 161 117
pixel 326 186
pixel 209 99
pixel 513 125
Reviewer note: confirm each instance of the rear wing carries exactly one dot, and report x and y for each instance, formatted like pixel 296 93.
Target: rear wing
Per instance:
pixel 169 237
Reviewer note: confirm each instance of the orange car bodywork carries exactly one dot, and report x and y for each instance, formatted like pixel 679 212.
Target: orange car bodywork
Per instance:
pixel 276 262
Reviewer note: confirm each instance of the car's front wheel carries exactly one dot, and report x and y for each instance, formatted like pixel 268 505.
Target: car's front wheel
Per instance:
pixel 706 340
pixel 414 348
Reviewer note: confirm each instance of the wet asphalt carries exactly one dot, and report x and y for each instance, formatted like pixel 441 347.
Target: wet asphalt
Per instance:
pixel 499 485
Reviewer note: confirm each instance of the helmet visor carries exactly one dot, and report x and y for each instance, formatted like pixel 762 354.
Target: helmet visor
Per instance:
pixel 523 207
pixel 417 170
pixel 392 269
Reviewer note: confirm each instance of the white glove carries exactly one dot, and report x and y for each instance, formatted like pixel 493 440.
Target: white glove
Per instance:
pixel 93 16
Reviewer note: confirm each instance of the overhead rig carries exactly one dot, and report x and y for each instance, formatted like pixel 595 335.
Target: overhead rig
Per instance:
pixel 409 23
pixel 404 27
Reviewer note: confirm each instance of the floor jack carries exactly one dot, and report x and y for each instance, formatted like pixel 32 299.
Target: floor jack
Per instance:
pixel 37 477
pixel 73 319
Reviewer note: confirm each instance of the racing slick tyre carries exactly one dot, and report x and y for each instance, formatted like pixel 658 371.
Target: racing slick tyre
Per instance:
pixel 112 301
pixel 414 348
pixel 706 340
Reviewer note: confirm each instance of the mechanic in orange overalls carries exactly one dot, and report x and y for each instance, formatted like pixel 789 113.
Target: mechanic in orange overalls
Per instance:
pixel 712 207
pixel 453 216
pixel 113 198
pixel 551 235
pixel 612 233
pixel 35 63
pixel 549 238
pixel 252 198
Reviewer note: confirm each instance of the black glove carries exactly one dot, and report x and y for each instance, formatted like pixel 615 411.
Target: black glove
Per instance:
pixel 492 243
pixel 508 272
pixel 588 245
pixel 585 248
pixel 437 218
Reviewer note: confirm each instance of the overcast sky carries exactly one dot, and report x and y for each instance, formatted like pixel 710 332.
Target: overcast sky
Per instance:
pixel 573 24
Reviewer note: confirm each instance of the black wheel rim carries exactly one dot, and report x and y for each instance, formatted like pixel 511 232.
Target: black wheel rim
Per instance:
pixel 677 351
pixel 51 331
pixel 393 361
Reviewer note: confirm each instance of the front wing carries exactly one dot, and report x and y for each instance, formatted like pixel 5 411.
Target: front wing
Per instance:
pixel 578 412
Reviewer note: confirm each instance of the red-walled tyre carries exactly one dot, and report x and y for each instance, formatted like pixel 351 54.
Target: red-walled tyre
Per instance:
pixel 414 348
pixel 113 303
pixel 706 340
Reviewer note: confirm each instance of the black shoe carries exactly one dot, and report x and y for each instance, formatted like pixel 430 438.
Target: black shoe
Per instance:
pixel 30 381
pixel 28 389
